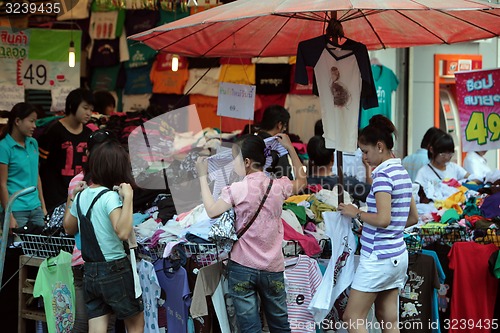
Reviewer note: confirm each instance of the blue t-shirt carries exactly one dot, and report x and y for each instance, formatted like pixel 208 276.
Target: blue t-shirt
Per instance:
pixel 109 242
pixel 22 165
pixel 385 82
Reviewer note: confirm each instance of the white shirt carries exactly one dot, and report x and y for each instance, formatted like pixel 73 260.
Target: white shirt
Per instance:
pixel 476 165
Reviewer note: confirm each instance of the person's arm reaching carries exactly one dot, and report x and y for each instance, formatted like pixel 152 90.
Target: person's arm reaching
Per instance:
pixel 300 181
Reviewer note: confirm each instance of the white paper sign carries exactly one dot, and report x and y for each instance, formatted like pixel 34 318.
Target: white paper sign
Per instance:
pixel 59 95
pixel 10 95
pixel 236 101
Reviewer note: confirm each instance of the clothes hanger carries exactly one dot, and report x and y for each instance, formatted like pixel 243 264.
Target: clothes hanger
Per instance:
pixel 335 33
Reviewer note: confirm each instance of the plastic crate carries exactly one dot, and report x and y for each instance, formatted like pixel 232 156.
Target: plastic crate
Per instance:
pixel 45 246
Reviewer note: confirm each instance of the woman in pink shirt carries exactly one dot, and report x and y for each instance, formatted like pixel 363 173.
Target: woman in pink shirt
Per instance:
pixel 255 269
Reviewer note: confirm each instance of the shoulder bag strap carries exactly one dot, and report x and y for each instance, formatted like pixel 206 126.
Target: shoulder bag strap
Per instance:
pixel 435 172
pixel 245 228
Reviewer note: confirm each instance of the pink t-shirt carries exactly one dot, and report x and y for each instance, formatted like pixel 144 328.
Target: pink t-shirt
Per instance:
pixel 77 254
pixel 260 246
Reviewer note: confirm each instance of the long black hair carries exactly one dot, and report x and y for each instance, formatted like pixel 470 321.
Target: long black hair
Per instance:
pixel 20 110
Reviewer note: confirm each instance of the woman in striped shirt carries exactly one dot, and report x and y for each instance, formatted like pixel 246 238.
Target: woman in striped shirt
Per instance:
pixel 391 208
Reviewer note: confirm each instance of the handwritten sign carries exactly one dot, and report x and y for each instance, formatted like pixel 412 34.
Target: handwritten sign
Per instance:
pixel 236 101
pixel 478 97
pixel 28 63
pixel 9 96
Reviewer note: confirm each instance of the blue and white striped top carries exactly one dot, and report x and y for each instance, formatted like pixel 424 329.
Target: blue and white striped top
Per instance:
pixel 390 177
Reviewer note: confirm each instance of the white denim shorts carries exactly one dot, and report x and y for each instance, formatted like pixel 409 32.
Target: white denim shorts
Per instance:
pixel 375 275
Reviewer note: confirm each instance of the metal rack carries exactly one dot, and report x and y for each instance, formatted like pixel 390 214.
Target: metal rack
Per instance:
pixel 204 254
pixel 45 246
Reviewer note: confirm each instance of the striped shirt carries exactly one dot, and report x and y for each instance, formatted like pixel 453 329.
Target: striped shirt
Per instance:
pixel 390 177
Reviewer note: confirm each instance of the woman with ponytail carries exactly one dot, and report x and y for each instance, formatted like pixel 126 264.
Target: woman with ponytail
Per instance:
pixel 384 260
pixel 19 168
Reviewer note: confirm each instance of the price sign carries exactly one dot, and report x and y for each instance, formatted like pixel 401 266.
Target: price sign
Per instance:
pixel 34 74
pixel 478 99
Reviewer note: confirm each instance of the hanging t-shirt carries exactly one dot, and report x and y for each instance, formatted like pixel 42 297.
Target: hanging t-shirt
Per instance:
pixel 263 101
pixel 105 78
pixel 301 282
pixel 106 25
pixel 436 327
pixel 139 20
pixel 54 282
pixel 340 271
pixel 169 101
pixel 140 54
pixel 171 14
pixel 345 84
pixel 415 299
pixel 386 83
pixel 272 78
pixel 304 111
pixel 203 81
pixel 151 291
pixel 301 89
pixel 167 81
pixel 238 74
pixel 137 102
pixel 105 52
pixel 178 296
pixel 138 80
pixel 472 300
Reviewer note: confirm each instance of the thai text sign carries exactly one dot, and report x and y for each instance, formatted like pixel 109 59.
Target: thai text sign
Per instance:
pixel 236 101
pixel 29 63
pixel 478 100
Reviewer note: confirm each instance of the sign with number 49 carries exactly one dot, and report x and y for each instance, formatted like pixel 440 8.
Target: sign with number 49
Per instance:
pixel 478 100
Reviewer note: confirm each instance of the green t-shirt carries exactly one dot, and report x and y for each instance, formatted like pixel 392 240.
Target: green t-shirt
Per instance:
pixel 54 282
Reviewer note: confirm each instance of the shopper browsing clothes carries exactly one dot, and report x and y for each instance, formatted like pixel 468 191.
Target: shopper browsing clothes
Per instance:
pixel 274 121
pixel 19 168
pixel 108 278
pixel 256 265
pixel 391 208
pixel 81 324
pixel 62 147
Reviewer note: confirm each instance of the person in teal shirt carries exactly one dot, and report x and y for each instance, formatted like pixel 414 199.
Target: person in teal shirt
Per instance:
pixel 19 168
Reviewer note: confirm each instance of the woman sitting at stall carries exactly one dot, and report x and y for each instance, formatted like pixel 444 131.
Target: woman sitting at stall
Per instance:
pixel 440 168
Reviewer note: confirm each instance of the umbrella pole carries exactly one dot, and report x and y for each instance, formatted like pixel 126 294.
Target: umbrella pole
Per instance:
pixel 340 174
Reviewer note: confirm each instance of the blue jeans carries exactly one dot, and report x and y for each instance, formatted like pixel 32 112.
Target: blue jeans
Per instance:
pixel 22 217
pixel 246 285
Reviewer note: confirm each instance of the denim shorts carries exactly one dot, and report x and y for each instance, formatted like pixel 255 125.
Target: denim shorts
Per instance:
pixel 109 287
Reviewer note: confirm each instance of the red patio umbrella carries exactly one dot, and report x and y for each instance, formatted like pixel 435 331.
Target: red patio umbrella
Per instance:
pixel 250 28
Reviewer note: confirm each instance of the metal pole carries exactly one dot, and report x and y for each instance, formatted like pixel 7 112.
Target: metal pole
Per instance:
pixel 6 224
